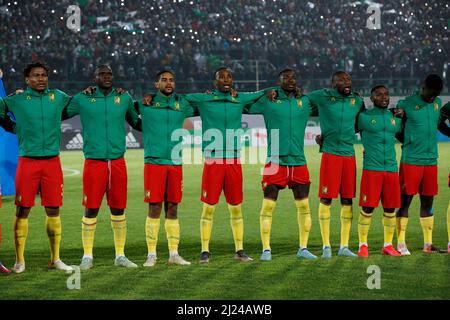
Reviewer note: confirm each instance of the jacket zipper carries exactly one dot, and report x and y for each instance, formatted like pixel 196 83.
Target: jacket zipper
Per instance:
pixel 43 129
pixel 106 129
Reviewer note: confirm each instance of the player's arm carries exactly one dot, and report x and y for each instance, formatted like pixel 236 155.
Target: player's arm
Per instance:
pixel 357 123
pixel 5 121
pixel 132 116
pixel 400 135
pixel 443 118
pixel 72 107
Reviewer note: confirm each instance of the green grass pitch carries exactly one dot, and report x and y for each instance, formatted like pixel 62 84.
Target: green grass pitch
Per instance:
pixel 419 276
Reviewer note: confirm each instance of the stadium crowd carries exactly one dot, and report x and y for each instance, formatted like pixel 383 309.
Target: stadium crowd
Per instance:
pixel 191 37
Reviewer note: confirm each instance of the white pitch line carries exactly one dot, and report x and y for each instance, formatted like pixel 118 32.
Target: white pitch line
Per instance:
pixel 73 172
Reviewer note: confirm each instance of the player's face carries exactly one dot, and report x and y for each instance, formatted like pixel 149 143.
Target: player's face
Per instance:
pixel 103 78
pixel 38 79
pixel 380 97
pixel 224 81
pixel 343 83
pixel 166 84
pixel 288 81
pixel 429 95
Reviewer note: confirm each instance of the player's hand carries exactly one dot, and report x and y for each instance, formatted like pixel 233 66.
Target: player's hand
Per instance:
pixel 234 93
pixel 272 95
pixel 1 73
pixel 121 90
pixel 208 92
pixel 319 140
pixel 298 92
pixel 89 90
pixel 19 90
pixel 147 99
pixel 399 113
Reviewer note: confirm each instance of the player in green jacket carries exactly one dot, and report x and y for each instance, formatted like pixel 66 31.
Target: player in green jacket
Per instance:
pixel 286 163
pixel 221 115
pixel 418 165
pixel 162 124
pixel 445 129
pixel 378 127
pixel 37 111
pixel 338 108
pixel 103 115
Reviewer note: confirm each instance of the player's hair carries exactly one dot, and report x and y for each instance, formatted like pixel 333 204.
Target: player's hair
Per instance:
pixel 434 82
pixel 285 71
pixel 337 73
pixel 102 66
pixel 35 64
pixel 378 87
pixel 220 69
pixel 159 74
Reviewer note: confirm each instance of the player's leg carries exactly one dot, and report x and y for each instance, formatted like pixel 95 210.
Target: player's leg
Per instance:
pixel 428 189
pixel 299 182
pixel 410 179
pixel 369 197
pixel 95 181
pixel 3 269
pixel 391 200
pixel 233 192
pixel 116 194
pixel 274 179
pixel 155 185
pixel 28 176
pixel 331 167
pixel 347 190
pixel 172 224
pixel 212 183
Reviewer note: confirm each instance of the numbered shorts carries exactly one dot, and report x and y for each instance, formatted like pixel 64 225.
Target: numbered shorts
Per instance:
pixel 282 176
pixel 418 179
pixel 163 183
pixel 337 176
pixel 103 176
pixel 39 175
pixel 379 185
pixel 222 174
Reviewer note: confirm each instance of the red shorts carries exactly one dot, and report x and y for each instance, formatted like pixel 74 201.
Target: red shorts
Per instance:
pixel 44 175
pixel 163 183
pixel 376 185
pixel 337 175
pixel 283 176
pixel 105 176
pixel 222 174
pixel 418 179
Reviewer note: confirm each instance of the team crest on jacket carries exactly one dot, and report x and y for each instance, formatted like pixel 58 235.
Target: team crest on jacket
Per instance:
pixel 373 121
pixel 51 96
pixel 353 102
pixel 177 105
pixel 117 100
pixel 299 103
pixel 436 106
pixel 93 100
pixel 158 104
pixel 417 107
pixel 28 97
pixel 333 99
pixel 393 122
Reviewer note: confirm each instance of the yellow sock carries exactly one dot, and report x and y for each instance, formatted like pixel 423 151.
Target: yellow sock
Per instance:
pixel 389 227
pixel 427 228
pixel 365 219
pixel 346 224
pixel 53 227
pixel 304 221
pixel 119 225
pixel 324 221
pixel 88 226
pixel 173 234
pixel 20 237
pixel 206 222
pixel 448 222
pixel 265 221
pixel 151 233
pixel 237 226
pixel 402 223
